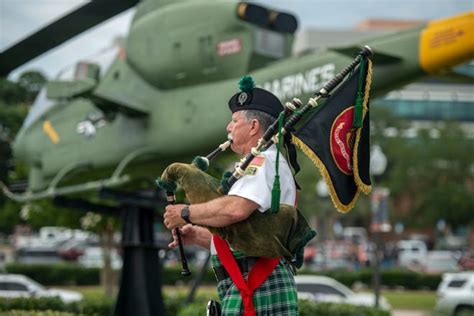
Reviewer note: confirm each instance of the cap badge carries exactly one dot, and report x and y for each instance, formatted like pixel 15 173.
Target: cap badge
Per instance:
pixel 242 98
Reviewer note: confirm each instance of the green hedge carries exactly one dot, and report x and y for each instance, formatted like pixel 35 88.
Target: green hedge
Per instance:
pixel 307 308
pixel 35 313
pixel 54 307
pixel 57 274
pixel 390 278
pixel 69 274
pixel 47 304
pixel 172 276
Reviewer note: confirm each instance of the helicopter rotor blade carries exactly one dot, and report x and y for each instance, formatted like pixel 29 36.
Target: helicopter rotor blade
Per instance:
pixel 58 32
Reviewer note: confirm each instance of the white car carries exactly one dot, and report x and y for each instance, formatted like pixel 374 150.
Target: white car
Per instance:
pixel 411 253
pixel 456 294
pixel 325 289
pixel 93 258
pixel 440 261
pixel 17 285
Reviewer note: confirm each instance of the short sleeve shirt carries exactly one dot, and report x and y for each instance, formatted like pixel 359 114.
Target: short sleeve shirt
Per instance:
pixel 257 183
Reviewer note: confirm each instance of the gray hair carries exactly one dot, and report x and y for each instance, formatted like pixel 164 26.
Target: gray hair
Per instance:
pixel 263 118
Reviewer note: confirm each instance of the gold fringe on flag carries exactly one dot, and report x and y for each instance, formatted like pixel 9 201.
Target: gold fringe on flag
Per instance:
pixel 368 81
pixel 320 165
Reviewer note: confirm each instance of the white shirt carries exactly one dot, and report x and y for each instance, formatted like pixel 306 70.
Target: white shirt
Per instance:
pixel 257 183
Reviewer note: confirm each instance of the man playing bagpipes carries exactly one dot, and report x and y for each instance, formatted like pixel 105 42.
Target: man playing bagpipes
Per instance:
pixel 248 285
pixel 241 219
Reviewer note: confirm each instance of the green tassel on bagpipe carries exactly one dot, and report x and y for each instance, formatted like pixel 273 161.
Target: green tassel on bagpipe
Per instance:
pixel 201 163
pixel 359 101
pixel 168 186
pixel 224 182
pixel 276 192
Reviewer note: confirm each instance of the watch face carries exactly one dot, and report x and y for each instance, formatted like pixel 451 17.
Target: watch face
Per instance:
pixel 185 214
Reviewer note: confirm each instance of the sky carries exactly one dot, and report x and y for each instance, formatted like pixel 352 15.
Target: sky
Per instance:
pixel 19 18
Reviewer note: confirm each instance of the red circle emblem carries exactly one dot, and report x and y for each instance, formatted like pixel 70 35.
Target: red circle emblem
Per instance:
pixel 341 140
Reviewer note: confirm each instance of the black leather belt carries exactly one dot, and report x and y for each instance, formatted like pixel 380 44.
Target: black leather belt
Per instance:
pixel 245 264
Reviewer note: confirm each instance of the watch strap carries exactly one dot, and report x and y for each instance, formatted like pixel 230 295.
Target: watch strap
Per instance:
pixel 185 214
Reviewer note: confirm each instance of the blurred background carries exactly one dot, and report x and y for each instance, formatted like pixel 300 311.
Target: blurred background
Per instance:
pixel 406 242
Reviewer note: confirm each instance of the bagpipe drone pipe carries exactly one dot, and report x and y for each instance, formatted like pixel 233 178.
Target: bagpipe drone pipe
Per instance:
pixel 282 232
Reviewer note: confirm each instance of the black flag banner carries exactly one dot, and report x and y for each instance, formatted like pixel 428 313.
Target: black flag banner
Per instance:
pixel 336 138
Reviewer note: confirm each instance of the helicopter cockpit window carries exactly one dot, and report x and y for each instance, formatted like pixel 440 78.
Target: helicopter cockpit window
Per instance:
pixel 269 43
pixel 40 106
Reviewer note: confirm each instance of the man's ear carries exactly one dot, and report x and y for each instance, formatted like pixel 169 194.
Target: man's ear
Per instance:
pixel 254 127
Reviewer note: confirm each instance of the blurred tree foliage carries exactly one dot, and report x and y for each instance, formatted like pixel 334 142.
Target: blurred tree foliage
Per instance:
pixel 15 101
pixel 11 118
pixel 430 176
pixel 11 93
pixel 32 82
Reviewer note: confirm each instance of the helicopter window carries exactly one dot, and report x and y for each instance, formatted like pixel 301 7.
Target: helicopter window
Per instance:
pixel 40 106
pixel 269 43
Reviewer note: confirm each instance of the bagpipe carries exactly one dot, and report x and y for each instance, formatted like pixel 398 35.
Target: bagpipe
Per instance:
pixel 281 232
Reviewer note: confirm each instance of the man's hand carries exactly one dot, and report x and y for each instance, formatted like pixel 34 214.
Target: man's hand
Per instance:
pixel 192 235
pixel 188 236
pixel 172 216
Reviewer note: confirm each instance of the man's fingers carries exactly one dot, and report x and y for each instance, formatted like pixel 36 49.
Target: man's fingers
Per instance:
pixel 186 229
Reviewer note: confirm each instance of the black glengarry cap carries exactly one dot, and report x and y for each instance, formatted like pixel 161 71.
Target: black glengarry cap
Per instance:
pixel 253 98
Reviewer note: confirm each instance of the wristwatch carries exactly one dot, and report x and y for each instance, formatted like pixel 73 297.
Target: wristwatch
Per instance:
pixel 185 214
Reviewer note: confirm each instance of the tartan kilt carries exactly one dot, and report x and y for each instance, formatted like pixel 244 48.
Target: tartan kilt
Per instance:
pixel 275 296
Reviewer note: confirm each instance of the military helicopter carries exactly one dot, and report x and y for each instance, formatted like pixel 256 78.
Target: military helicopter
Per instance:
pixel 165 94
pixel 165 97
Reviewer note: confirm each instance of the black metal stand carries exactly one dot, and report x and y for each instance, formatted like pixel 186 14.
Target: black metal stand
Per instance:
pixel 140 281
pixel 140 285
pixel 376 276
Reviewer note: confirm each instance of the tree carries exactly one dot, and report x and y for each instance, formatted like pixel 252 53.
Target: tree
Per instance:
pixel 5 159
pixel 32 81
pixel 11 118
pixel 11 93
pixel 430 176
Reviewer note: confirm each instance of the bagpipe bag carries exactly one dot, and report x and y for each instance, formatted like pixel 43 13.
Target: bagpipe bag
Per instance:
pixel 284 233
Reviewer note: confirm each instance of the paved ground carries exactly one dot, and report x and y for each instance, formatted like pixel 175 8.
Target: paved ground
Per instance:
pixel 408 312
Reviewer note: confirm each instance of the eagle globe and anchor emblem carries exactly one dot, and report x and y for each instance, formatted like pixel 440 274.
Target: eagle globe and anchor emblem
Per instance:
pixel 342 140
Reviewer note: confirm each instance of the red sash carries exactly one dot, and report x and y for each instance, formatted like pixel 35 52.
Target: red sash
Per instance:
pixel 259 273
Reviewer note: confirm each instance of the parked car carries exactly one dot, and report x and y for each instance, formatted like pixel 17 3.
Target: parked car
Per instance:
pixel 17 285
pixel 411 253
pixel 456 294
pixel 440 261
pixel 321 262
pixel 93 258
pixel 38 255
pixel 74 248
pixel 325 289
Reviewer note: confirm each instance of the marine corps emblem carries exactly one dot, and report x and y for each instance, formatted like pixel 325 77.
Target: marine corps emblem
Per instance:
pixel 342 140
